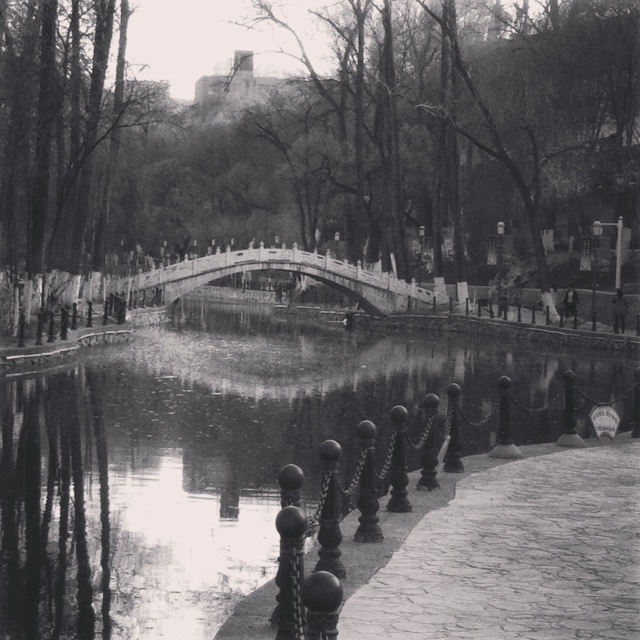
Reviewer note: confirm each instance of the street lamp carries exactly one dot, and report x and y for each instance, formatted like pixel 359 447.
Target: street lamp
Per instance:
pixel 502 304
pixel 597 232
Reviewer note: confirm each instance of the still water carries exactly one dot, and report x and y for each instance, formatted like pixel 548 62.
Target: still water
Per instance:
pixel 138 485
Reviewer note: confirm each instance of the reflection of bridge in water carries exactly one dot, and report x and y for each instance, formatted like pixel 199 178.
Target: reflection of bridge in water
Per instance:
pixel 377 293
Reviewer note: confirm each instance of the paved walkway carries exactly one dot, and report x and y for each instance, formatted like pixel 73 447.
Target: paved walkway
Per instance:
pixel 544 548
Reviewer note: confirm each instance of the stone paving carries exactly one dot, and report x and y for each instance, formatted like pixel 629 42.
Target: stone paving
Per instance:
pixel 539 549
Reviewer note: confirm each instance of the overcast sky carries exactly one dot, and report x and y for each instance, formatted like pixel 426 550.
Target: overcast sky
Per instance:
pixel 181 45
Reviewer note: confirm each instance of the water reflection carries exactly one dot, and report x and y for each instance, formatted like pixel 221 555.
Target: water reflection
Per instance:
pixel 137 488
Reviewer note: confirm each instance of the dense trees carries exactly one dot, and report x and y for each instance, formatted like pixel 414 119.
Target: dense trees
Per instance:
pixel 445 115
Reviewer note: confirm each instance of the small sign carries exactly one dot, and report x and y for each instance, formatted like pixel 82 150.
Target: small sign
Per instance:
pixel 605 420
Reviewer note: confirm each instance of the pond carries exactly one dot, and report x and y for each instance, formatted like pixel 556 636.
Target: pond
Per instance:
pixel 138 487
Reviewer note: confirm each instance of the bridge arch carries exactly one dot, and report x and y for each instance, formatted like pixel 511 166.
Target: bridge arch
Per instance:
pixel 378 294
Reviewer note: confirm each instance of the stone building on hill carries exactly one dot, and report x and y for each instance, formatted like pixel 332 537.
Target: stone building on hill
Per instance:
pixel 238 89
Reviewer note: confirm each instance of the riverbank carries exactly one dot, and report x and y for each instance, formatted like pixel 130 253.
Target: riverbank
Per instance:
pixel 250 620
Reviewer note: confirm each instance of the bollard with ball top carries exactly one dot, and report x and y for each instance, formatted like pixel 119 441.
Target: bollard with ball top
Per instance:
pixel 505 448
pixel 429 474
pixel 322 594
pixel 290 479
pixel 570 437
pixel 288 615
pixel 52 328
pixel 369 530
pixel 398 476
pixel 329 534
pixel 453 457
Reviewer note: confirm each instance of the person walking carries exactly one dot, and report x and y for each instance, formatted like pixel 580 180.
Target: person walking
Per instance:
pixel 570 301
pixel 620 310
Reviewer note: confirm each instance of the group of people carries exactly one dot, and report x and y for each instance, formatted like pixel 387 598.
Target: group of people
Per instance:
pixel 571 300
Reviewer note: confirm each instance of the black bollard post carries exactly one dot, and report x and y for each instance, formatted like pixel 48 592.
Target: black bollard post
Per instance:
pixel 561 319
pixel 64 323
pixel 40 327
pixel 290 479
pixel 89 313
pixel 533 314
pixel 369 529
pixel 453 457
pixel 490 309
pixel 479 309
pixel 107 303
pixel 398 476
pixel 288 614
pixel 505 448
pixel 322 594
pixel 519 312
pixel 466 307
pixel 547 316
pixel 52 328
pixel 329 534
pixel 74 317
pixel 575 319
pixel 570 437
pixel 635 433
pixel 429 474
pixel 435 308
pixel 21 330
pixel 506 311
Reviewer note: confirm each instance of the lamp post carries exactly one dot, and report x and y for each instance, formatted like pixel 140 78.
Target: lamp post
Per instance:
pixel 597 232
pixel 500 259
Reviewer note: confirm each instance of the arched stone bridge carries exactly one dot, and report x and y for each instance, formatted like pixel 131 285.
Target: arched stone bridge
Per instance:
pixel 377 293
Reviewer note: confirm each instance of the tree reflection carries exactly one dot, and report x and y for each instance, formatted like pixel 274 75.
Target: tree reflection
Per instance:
pixel 46 589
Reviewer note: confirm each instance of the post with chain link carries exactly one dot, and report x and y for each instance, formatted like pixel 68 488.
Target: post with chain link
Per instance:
pixel 64 323
pixel 490 309
pixel 570 437
pixel 561 319
pixel 52 328
pixel 22 323
pixel 89 313
pixel 429 474
pixel 533 314
pixel 466 307
pixel 453 457
pixel 398 476
pixel 290 479
pixel 107 304
pixel 369 530
pixel 74 317
pixel 40 327
pixel 288 615
pixel 322 594
pixel 329 534
pixel 505 448
pixel 636 408
pixel 519 312
pixel 479 309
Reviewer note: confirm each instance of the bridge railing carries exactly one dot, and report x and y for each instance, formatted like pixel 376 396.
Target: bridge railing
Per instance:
pixel 191 268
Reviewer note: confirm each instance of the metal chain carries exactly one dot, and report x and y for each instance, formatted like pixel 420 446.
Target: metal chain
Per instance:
pixel 387 463
pixel 479 423
pixel 297 602
pixel 356 478
pixel 323 498
pixel 530 409
pixel 418 444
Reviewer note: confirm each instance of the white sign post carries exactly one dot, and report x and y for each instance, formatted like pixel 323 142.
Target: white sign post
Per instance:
pixel 605 420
